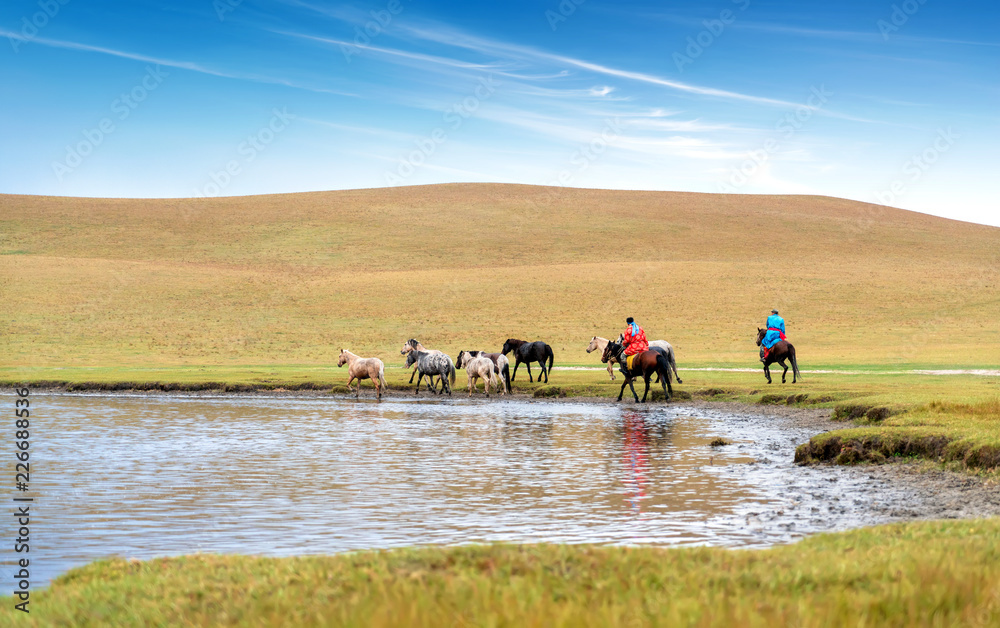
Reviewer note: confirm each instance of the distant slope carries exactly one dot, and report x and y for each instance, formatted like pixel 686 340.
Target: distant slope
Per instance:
pixel 291 278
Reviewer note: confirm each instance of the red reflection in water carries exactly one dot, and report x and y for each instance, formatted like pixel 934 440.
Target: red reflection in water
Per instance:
pixel 636 454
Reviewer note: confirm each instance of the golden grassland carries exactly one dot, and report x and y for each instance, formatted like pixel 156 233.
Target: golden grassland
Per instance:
pixel 290 279
pixel 918 574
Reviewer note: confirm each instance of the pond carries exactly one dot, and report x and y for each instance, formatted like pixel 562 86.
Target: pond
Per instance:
pixel 145 476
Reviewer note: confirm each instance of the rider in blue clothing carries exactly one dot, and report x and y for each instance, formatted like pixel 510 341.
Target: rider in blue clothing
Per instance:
pixel 775 333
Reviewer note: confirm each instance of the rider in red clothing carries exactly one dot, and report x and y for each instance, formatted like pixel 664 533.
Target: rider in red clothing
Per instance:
pixel 634 338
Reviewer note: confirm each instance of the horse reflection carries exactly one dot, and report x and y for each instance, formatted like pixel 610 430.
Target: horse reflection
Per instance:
pixel 636 459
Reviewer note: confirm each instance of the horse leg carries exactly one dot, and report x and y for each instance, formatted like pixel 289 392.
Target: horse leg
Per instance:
pixel 673 364
pixel 517 363
pixel 527 365
pixel 631 386
pixel 767 372
pixel 645 378
pixel 622 391
pixel 611 371
pixel 783 373
pixel 349 383
pixel 545 372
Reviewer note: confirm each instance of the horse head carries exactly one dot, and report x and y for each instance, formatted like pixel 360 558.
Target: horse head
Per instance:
pixel 593 345
pixel 507 346
pixel 343 358
pixel 610 351
pixel 760 335
pixel 460 360
pixel 411 357
pixel 411 345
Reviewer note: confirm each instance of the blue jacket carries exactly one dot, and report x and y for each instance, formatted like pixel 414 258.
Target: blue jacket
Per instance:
pixel 776 322
pixel 772 338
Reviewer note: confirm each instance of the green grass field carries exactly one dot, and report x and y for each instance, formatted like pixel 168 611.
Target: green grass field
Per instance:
pixel 920 574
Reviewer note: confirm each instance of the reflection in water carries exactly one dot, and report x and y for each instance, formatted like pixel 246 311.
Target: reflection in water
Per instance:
pixel 148 476
pixel 636 452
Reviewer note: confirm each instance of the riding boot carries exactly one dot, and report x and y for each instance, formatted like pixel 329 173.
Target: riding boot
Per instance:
pixel 762 354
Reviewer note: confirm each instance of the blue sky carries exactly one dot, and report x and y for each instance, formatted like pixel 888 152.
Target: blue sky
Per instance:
pixel 895 102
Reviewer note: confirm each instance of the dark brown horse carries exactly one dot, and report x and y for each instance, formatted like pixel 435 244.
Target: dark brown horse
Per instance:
pixel 529 352
pixel 780 352
pixel 643 365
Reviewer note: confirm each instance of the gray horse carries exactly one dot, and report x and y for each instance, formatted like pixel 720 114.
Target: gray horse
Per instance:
pixel 432 364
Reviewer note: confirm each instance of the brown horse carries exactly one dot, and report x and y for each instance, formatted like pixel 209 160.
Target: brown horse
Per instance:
pixel 643 365
pixel 780 352
pixel 359 368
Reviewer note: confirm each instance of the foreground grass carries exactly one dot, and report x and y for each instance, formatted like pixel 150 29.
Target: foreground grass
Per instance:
pixel 918 574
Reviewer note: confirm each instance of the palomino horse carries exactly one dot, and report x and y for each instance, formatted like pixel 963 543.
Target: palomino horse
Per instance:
pixel 529 352
pixel 480 367
pixel 432 364
pixel 780 352
pixel 643 365
pixel 499 360
pixel 359 368
pixel 414 345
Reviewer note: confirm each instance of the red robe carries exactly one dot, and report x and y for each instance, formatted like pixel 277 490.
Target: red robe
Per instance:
pixel 635 343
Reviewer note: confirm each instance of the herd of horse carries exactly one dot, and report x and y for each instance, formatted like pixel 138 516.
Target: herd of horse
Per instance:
pixel 494 368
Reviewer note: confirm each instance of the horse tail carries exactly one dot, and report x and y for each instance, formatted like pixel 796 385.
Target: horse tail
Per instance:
pixel 506 375
pixel 451 374
pixel 672 361
pixel 551 356
pixel 663 370
pixel 795 363
pixel 381 374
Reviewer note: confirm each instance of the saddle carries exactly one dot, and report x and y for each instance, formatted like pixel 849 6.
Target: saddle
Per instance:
pixel 629 359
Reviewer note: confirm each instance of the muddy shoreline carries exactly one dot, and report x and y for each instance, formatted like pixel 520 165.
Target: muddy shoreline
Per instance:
pixel 932 493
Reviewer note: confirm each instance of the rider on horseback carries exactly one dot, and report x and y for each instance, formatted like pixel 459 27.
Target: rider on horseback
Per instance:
pixel 775 333
pixel 634 338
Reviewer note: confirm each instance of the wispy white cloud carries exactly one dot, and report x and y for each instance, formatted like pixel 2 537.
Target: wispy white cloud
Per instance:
pixel 451 37
pixel 170 63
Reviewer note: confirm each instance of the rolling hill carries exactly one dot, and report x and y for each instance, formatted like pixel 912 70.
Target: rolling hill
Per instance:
pixel 289 279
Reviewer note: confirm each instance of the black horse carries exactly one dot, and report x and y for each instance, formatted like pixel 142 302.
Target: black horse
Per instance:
pixel 529 352
pixel 780 352
pixel 643 365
